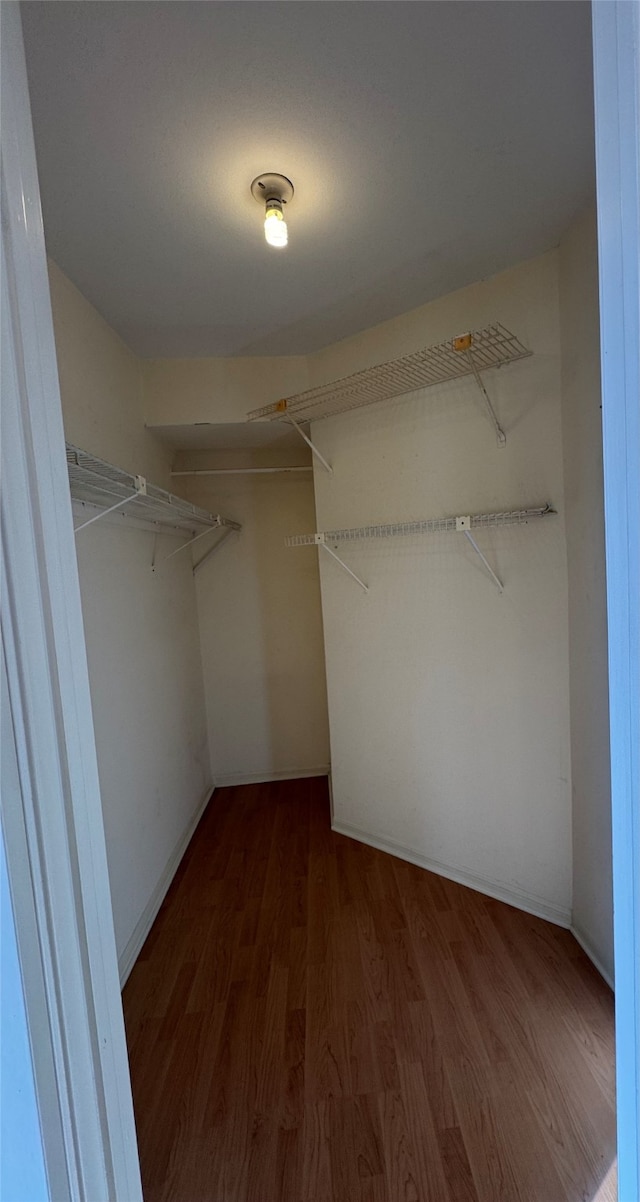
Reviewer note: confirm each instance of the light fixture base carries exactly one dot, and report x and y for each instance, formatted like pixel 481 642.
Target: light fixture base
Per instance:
pixel 271 186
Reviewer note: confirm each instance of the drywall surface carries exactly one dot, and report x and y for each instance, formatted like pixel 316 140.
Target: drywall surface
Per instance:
pixel 448 703
pixel 101 386
pixel 261 629
pixel 148 705
pixel 141 629
pixel 180 391
pixel 584 509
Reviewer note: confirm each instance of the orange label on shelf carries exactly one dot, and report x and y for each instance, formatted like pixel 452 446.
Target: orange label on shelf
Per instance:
pixel 281 406
pixel 462 343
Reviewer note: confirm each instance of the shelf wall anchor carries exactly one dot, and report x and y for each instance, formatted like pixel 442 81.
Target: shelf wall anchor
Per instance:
pixel 320 542
pixel 318 454
pixel 463 524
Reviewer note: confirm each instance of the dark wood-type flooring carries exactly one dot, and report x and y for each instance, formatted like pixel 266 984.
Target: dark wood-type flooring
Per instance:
pixel 312 1020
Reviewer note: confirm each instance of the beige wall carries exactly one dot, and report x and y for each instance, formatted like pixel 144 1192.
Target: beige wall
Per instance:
pixel 469 308
pixel 101 386
pixel 258 634
pixel 147 694
pixel 448 703
pixel 184 391
pixel 261 628
pixel 453 736
pixel 582 438
pixel 141 630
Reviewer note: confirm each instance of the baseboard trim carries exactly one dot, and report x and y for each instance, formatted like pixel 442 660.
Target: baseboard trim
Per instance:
pixel 144 924
pixel 595 960
pixel 262 778
pixel 513 897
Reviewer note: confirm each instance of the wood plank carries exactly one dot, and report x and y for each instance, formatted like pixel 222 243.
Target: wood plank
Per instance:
pixel 403 1182
pixel 311 1020
pixel 355 1144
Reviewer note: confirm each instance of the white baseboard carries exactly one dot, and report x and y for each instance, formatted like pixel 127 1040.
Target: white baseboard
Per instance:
pixel 261 778
pixel 144 924
pixel 513 897
pixel 587 947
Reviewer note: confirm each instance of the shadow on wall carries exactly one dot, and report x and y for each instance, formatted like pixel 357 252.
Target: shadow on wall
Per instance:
pixel 291 619
pixel 261 631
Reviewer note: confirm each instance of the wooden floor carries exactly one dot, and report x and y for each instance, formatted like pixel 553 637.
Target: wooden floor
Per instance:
pixel 311 1020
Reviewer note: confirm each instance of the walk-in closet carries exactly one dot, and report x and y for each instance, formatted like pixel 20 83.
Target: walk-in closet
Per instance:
pixel 338 510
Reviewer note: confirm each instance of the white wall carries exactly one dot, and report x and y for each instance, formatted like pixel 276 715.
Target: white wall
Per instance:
pixel 141 631
pixel 448 703
pixel 261 629
pixel 584 508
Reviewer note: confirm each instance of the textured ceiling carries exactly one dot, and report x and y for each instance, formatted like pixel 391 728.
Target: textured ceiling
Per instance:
pixel 430 144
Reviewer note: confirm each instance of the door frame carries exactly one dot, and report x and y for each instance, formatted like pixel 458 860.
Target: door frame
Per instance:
pixel 51 810
pixel 53 822
pixel 616 68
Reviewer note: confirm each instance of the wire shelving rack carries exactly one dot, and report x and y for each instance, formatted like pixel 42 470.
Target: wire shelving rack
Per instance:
pixel 106 488
pixel 466 355
pixel 463 523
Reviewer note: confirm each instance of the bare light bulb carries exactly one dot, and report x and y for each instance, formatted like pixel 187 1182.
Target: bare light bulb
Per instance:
pixel 275 226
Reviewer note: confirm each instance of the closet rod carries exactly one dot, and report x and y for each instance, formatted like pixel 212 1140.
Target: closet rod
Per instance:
pixel 241 471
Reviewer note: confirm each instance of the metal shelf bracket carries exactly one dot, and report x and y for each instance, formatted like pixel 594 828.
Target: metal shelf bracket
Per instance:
pixel 319 539
pixel 467 354
pixel 220 524
pixel 189 543
pixel 140 485
pixel 213 550
pixel 464 344
pixel 464 525
pixel 318 454
pixel 108 488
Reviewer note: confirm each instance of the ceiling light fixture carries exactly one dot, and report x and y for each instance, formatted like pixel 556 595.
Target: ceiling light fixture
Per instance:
pixel 274 192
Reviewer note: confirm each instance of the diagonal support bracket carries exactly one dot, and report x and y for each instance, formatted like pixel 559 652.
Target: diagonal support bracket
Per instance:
pixel 318 454
pixel 500 434
pixel 191 541
pixel 212 551
pixel 320 542
pixel 463 344
pixel 463 524
pixel 141 491
pixel 220 523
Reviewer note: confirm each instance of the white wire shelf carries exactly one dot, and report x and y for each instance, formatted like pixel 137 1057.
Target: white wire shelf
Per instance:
pixel 478 521
pixel 468 354
pixel 462 523
pixel 108 488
